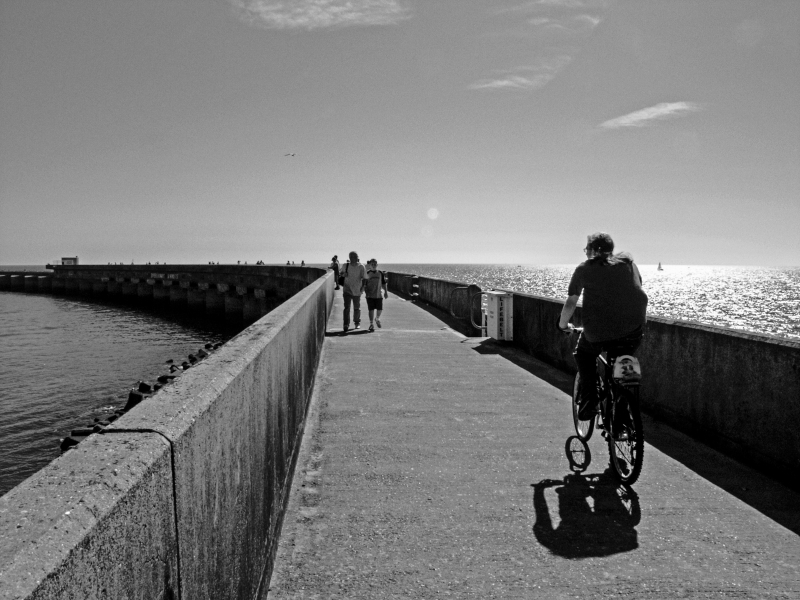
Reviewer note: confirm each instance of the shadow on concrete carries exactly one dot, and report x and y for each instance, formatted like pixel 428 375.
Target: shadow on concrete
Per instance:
pixel 339 333
pixel 445 317
pixel 767 495
pixel 558 379
pixel 597 516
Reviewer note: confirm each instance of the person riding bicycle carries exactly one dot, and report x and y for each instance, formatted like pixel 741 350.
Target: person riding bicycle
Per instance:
pixel 613 315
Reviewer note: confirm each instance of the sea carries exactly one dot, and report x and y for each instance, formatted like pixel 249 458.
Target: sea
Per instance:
pixel 66 361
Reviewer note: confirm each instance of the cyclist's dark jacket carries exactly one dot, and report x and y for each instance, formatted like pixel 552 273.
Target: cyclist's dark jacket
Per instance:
pixel 614 302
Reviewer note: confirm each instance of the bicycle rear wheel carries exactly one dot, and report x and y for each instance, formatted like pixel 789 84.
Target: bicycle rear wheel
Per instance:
pixel 625 438
pixel 582 428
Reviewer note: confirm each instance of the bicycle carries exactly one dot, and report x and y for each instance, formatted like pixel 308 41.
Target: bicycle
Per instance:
pixel 618 413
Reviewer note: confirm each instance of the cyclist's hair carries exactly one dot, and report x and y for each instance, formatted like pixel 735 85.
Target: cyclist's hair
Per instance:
pixel 601 243
pixel 603 246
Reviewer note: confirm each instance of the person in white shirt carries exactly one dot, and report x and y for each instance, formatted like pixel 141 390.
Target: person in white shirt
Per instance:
pixel 354 274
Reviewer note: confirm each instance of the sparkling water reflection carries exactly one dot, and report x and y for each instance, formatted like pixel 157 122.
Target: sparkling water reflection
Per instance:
pixel 759 299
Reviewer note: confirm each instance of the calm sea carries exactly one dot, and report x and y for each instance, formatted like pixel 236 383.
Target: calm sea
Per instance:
pixel 65 361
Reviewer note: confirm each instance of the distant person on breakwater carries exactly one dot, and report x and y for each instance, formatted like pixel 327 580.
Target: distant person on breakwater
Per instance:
pixel 354 275
pixel 335 267
pixel 614 307
pixel 376 281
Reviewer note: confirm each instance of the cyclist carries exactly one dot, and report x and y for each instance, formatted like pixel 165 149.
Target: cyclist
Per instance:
pixel 614 306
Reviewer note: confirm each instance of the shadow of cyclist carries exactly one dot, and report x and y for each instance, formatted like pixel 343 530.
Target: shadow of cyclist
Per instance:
pixel 603 527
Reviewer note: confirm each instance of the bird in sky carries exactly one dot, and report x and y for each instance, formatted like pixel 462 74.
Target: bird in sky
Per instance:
pixel 290 154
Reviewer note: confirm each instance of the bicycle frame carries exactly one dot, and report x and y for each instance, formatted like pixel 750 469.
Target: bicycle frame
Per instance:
pixel 618 415
pixel 609 389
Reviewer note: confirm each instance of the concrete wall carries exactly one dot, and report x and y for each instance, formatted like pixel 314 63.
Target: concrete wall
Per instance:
pixel 450 296
pixel 736 391
pixel 183 496
pixel 239 292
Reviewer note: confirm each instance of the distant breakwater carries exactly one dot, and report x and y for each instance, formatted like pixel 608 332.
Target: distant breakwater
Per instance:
pixel 237 292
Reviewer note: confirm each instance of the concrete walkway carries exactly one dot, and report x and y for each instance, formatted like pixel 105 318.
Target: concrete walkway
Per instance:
pixel 433 466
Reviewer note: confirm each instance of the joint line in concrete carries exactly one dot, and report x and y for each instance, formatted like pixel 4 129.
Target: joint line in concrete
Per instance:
pixel 174 495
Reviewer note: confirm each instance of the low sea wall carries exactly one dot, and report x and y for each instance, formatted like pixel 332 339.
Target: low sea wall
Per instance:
pixel 183 496
pixel 736 391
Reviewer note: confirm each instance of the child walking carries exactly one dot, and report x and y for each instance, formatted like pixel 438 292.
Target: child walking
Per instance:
pixel 376 281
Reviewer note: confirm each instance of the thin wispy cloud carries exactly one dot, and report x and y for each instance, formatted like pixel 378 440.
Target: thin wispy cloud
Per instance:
pixel 526 78
pixel 569 24
pixel 550 23
pixel 319 14
pixel 539 5
pixel 590 21
pixel 652 114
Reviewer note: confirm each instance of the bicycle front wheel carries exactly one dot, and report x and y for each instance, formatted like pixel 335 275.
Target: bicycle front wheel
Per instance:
pixel 582 428
pixel 625 438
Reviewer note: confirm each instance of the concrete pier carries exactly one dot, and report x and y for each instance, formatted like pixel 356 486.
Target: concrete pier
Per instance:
pixel 161 291
pixel 177 295
pixel 183 496
pixel 253 307
pixel 45 283
pixel 215 301
pixel 130 289
pixel 433 465
pixel 234 305
pixel 252 291
pixel 196 298
pixel 85 287
pixel 144 290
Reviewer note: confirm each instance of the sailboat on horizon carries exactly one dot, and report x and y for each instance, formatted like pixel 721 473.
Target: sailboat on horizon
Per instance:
pixel 659 267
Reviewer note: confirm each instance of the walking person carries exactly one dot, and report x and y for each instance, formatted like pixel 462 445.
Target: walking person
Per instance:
pixel 376 282
pixel 335 266
pixel 354 275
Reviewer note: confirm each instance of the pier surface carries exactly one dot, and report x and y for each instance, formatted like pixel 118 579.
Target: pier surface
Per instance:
pixel 433 466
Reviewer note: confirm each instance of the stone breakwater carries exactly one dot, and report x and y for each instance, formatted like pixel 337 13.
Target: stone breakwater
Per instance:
pixel 139 392
pixel 237 292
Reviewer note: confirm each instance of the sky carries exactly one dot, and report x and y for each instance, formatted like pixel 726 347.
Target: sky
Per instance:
pixel 435 131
